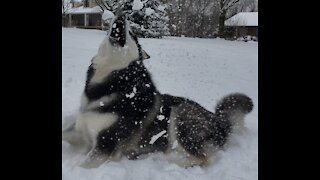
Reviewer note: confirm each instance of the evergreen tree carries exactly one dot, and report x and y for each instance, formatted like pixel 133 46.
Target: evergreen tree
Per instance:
pixel 148 18
pixel 151 20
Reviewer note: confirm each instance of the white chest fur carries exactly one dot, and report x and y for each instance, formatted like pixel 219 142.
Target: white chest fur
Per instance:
pixel 110 58
pixel 91 123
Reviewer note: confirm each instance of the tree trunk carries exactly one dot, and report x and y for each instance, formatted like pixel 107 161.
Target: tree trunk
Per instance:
pixel 222 18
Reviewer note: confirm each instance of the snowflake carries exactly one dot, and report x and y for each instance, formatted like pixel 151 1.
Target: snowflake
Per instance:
pixel 160 117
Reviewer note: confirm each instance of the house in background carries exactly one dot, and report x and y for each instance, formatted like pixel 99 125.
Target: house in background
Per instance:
pixel 243 24
pixel 84 15
pixel 76 3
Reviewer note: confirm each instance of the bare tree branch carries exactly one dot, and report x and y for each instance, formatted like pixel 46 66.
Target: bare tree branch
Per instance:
pixel 104 5
pixel 230 4
pixel 66 5
pixel 109 7
pixel 101 6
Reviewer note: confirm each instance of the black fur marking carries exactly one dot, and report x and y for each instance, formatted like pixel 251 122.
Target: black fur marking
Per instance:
pixel 194 127
pixel 109 138
pixel 155 127
pixel 172 100
pixel 118 31
pixel 130 110
pixel 96 91
pixel 158 124
pixel 234 102
pixel 90 74
pixel 197 126
pixel 221 131
pixel 134 37
pixel 122 82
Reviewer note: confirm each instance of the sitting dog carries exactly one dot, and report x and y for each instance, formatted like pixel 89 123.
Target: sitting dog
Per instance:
pixel 123 114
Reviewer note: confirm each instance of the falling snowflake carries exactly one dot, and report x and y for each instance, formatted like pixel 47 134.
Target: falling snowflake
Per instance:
pixel 157 136
pixel 131 95
pixel 161 108
pixel 160 117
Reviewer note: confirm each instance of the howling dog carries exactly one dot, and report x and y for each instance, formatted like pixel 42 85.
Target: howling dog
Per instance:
pixel 123 115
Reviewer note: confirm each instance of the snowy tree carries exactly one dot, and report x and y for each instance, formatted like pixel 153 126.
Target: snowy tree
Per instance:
pixel 192 18
pixel 224 7
pixel 151 20
pixel 103 5
pixel 148 18
pixel 66 5
pixel 201 18
pixel 244 6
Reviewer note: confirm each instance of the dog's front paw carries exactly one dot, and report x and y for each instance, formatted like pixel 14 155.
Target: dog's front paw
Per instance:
pixel 94 160
pixel 69 122
pixel 92 163
pixel 72 136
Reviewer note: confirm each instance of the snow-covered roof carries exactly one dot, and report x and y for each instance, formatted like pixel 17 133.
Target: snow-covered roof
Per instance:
pixel 84 10
pixel 243 19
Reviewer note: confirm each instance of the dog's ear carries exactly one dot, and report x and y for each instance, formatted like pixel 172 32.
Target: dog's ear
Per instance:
pixel 145 55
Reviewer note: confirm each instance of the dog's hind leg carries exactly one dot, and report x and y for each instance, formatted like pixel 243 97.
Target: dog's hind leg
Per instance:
pixel 153 139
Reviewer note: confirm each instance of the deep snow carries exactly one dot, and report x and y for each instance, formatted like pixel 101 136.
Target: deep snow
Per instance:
pixel 203 70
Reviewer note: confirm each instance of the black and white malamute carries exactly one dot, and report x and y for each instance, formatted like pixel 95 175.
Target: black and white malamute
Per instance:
pixel 123 114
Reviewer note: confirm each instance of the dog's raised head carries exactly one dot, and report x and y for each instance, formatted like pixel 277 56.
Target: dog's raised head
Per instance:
pixel 118 50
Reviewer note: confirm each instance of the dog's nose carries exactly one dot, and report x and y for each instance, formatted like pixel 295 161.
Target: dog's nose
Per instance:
pixel 118 30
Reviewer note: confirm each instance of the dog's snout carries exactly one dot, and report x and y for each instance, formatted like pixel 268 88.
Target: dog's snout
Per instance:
pixel 118 30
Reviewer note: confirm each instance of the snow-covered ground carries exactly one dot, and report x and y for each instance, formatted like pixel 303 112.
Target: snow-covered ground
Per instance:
pixel 203 70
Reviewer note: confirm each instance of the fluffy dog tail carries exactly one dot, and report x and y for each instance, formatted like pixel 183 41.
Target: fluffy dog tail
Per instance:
pixel 233 108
